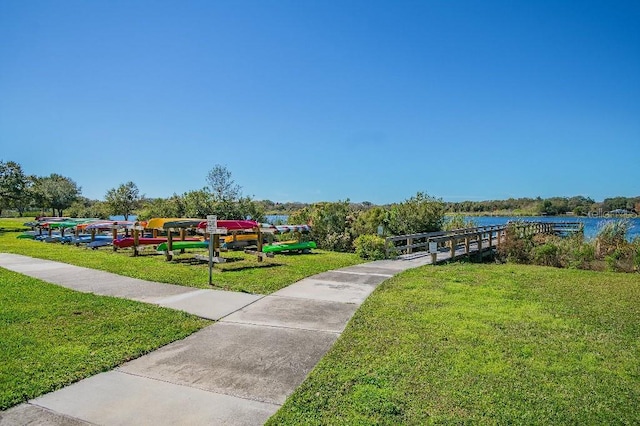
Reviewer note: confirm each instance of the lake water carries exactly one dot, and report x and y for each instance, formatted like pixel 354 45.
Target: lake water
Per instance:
pixel 591 224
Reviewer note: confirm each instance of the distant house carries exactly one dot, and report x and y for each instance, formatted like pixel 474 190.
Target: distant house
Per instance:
pixel 617 212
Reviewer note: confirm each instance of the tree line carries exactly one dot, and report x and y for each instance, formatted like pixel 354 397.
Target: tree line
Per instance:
pixel 554 206
pixel 57 194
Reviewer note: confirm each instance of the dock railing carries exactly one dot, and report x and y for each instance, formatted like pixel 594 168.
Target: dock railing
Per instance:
pixel 462 242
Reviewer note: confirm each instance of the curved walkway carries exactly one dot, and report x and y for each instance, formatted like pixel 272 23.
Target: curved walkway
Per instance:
pixel 237 371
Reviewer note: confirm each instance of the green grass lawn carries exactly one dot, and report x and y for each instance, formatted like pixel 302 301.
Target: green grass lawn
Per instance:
pixel 242 273
pixel 488 344
pixel 13 223
pixel 51 336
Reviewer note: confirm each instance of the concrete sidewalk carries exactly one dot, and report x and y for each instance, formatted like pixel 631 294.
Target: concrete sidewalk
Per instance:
pixel 238 371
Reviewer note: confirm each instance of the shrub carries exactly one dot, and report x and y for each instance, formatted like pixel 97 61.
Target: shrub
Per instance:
pixel 370 247
pixel 458 221
pixel 420 213
pixel 547 254
pixel 518 244
pixel 330 224
pixel 611 237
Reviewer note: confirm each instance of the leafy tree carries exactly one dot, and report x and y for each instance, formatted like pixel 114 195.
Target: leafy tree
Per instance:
pixel 13 186
pixel 56 192
pixel 368 221
pixel 420 213
pixel 222 185
pixel 198 203
pixel 331 224
pixel 84 207
pixel 162 207
pixel 123 200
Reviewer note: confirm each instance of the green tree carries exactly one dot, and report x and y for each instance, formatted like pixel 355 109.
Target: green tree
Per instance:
pixel 198 203
pixel 222 185
pixel 57 192
pixel 420 213
pixel 123 200
pixel 162 207
pixel 368 221
pixel 84 207
pixel 13 186
pixel 331 224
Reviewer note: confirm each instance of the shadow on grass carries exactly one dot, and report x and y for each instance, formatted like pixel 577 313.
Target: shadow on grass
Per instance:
pixel 248 267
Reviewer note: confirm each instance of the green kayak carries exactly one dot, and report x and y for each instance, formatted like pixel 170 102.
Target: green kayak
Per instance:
pixel 275 248
pixel 179 245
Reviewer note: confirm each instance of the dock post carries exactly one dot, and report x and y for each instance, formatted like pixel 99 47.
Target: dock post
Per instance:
pixel 114 233
pixel 466 245
pixel 409 243
pixel 259 245
pixel 453 243
pixel 183 234
pixel 136 238
pixel 169 254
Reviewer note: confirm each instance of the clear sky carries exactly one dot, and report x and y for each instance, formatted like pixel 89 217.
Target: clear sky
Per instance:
pixel 326 100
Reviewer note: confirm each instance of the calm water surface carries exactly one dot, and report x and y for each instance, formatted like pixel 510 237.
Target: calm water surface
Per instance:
pixel 591 224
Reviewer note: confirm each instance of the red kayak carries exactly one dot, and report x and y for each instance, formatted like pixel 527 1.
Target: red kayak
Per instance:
pixel 146 241
pixel 232 225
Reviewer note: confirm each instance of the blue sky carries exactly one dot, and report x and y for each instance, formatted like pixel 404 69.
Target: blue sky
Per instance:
pixel 326 100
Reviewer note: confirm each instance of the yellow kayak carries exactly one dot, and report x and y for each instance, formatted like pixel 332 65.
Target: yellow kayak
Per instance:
pixel 158 222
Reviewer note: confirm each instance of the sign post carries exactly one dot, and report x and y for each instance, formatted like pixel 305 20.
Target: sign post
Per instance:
pixel 212 225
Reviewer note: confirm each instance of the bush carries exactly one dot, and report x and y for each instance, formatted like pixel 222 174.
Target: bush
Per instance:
pixel 518 244
pixel 330 224
pixel 418 214
pixel 611 237
pixel 458 221
pixel 370 247
pixel 547 254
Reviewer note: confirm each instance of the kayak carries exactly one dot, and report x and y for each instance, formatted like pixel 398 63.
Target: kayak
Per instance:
pixel 106 225
pixel 179 245
pixel 159 222
pixel 28 236
pixel 145 241
pixel 240 237
pixel 181 223
pixel 85 239
pixel 232 225
pixel 99 243
pixel 289 246
pixel 283 229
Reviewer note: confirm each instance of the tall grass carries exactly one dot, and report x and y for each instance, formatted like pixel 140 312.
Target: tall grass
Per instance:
pixel 609 250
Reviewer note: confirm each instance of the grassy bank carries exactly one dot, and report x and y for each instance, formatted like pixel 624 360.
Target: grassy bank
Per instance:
pixel 51 336
pixel 241 273
pixel 488 344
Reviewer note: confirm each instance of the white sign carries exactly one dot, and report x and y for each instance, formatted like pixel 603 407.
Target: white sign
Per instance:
pixel 220 231
pixel 433 247
pixel 212 223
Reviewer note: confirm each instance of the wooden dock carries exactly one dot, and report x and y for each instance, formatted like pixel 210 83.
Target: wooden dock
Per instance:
pixel 442 246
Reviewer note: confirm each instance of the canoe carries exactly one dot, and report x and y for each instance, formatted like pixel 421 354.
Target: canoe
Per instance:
pixel 283 229
pixel 231 224
pixel 106 224
pixel 158 222
pixel 294 246
pixel 85 239
pixel 99 243
pixel 179 245
pixel 239 237
pixel 181 223
pixel 145 241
